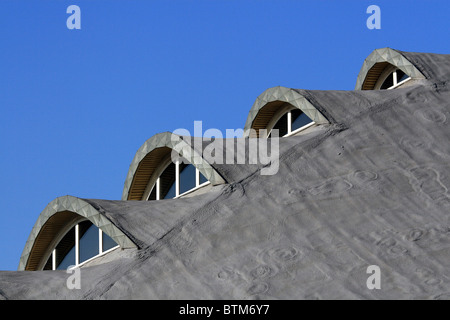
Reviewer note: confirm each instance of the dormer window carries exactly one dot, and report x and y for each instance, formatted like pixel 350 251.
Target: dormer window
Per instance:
pixel 386 69
pixel 391 79
pixel 154 175
pixel 285 109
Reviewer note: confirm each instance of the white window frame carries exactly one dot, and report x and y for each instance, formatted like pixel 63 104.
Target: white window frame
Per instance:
pixel 197 185
pixel 398 84
pixel 77 248
pixel 157 184
pixel 289 123
pixel 300 129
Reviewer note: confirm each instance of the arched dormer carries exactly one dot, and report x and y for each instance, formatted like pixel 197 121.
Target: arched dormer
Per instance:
pixel 386 69
pixel 70 231
pixel 154 175
pixel 284 109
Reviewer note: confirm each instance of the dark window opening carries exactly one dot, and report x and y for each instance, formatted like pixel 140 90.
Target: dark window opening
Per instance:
pixel 401 76
pixel 167 182
pixel 153 193
pixel 282 126
pixel 65 251
pixel 89 246
pixel 389 82
pixel 187 177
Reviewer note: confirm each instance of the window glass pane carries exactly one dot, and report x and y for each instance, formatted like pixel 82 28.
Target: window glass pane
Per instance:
pixel 187 177
pixel 65 251
pixel 389 82
pixel 49 263
pixel 202 178
pixel 153 193
pixel 167 182
pixel 299 119
pixel 69 260
pixel 171 192
pixel 281 125
pixel 401 76
pixel 88 241
pixel 108 242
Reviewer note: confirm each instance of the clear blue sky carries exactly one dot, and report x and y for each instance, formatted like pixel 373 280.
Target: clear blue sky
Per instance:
pixel 77 104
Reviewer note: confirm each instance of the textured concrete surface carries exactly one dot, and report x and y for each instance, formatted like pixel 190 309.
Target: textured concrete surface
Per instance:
pixel 371 188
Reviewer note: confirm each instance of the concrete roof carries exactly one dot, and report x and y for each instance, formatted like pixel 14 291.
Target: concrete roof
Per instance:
pixel 369 188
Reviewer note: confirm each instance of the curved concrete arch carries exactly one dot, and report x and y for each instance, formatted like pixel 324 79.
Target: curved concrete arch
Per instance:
pixel 377 61
pixel 149 156
pixel 55 217
pixel 271 100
